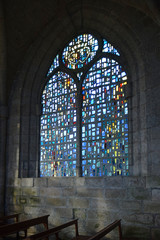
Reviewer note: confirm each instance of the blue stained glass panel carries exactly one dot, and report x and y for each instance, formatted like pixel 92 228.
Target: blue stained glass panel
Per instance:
pixel 107 47
pixel 104 103
pixel 80 51
pixel 54 65
pixel 58 127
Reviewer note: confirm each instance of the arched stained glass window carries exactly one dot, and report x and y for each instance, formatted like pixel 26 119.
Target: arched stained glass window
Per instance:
pixel 84 120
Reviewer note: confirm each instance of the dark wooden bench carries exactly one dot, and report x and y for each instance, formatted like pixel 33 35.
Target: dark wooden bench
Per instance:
pixel 14 217
pixel 17 227
pixel 56 230
pixel 108 229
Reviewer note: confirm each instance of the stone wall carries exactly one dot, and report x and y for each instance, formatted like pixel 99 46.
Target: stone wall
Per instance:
pixel 95 201
pixel 3 107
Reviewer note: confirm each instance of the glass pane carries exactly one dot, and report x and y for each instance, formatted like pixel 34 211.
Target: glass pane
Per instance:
pixel 105 120
pixel 107 47
pixel 80 51
pixel 54 65
pixel 58 127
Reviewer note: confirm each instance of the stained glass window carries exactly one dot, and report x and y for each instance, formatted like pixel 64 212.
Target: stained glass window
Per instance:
pixel 104 120
pixel 107 47
pixel 54 65
pixel 84 120
pixel 80 51
pixel 58 127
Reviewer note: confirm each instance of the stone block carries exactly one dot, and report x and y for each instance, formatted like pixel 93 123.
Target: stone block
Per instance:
pixel 155 132
pixel 131 205
pixel 56 202
pixel 95 182
pixel 27 182
pixel 15 182
pixel 92 214
pixel 61 182
pixel 78 203
pixel 113 182
pixel 156 194
pixel 22 200
pixel 79 213
pixel 115 193
pixel 151 207
pixel 68 191
pixel 94 225
pixel 51 192
pixel 134 182
pixel 138 232
pixel 139 193
pixel 139 218
pixel 112 205
pixel 153 182
pixel 67 181
pixel 40 182
pixel 90 192
pixel 66 213
pixel 157 220
pixel 102 215
pixel 32 191
pixel 155 164
pixel 54 182
pixel 35 210
pixel 35 201
pixel 80 181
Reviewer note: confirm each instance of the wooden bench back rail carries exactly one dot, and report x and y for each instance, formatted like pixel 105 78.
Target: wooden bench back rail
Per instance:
pixel 108 229
pixel 23 226
pixel 54 230
pixel 13 216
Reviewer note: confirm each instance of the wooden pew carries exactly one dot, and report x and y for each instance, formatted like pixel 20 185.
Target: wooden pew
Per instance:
pixel 108 229
pixel 4 219
pixel 56 230
pixel 9 229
